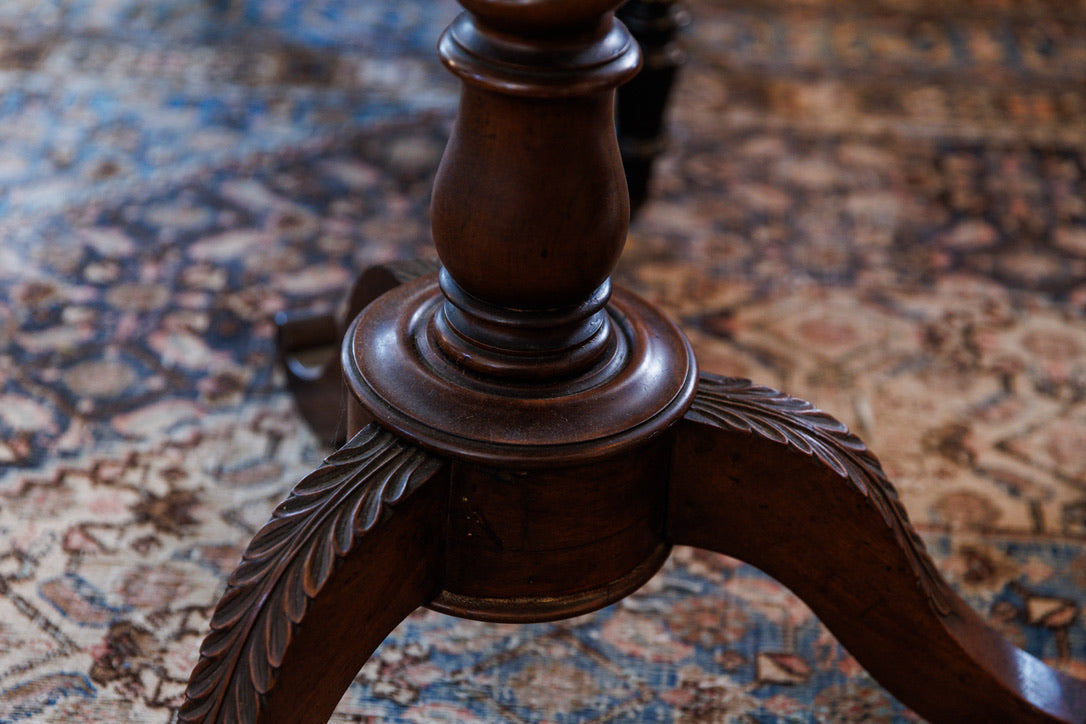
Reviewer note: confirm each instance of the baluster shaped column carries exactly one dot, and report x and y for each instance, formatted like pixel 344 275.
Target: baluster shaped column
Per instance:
pixel 521 353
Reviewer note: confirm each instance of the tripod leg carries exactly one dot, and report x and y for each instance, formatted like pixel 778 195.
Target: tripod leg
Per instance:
pixel 353 550
pixel 771 480
pixel 309 344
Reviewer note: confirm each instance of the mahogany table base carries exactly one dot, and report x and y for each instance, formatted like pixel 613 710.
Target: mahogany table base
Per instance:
pixel 308 343
pixel 383 527
pixel 527 444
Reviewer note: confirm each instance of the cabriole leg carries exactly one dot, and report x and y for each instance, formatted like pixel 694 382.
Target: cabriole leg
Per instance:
pixel 773 481
pixel 353 550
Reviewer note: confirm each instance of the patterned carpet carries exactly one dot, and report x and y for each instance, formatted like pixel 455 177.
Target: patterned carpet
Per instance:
pixel 877 205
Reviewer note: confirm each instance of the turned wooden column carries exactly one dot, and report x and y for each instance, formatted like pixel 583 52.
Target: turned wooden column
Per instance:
pixel 555 130
pixel 519 354
pixel 527 443
pixel 643 102
pixel 517 362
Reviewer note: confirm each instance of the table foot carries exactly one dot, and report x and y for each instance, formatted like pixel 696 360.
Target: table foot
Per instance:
pixel 773 481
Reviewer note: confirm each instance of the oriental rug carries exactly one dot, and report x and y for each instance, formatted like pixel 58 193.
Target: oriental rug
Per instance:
pixel 879 206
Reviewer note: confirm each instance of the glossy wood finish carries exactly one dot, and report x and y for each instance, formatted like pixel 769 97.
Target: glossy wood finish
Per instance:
pixel 322 584
pixel 539 445
pixel 309 344
pixel 543 112
pixel 517 355
pixel 642 102
pixel 774 481
pixel 639 384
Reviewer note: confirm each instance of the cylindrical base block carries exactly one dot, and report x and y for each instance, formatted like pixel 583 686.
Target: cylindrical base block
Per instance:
pixel 399 373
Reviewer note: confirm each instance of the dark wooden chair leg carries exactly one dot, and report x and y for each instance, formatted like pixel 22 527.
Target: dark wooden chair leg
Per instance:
pixel 642 103
pixel 771 480
pixel 353 550
pixel 309 344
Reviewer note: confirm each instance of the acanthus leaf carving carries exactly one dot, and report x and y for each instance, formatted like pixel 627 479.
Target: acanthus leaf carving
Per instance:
pixel 287 564
pixel 739 405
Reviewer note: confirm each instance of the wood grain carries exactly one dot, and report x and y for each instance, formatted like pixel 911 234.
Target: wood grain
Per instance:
pixel 312 548
pixel 775 482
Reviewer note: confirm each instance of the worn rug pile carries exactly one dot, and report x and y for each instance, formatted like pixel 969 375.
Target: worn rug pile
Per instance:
pixel 876 205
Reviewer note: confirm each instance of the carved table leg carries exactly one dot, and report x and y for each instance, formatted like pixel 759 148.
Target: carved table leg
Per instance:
pixel 361 534
pixel 578 451
pixel 773 481
pixel 309 344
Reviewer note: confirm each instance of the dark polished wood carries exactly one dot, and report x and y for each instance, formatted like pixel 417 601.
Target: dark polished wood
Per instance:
pixel 309 344
pixel 322 584
pixel 517 355
pixel 642 103
pixel 528 443
pixel 518 551
pixel 777 483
